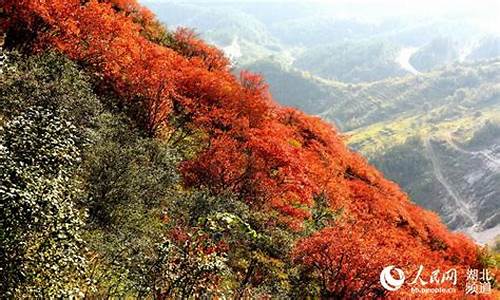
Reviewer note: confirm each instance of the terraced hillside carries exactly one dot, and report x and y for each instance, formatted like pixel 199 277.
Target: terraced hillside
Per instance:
pixel 438 140
pixel 441 94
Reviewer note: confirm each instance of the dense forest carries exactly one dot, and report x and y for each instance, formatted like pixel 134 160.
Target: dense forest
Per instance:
pixel 134 164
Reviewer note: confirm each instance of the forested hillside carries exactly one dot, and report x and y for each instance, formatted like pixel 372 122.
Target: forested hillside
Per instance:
pixel 394 122
pixel 387 82
pixel 134 164
pixel 352 62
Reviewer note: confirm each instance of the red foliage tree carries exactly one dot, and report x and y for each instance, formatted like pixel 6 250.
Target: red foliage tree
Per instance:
pixel 190 46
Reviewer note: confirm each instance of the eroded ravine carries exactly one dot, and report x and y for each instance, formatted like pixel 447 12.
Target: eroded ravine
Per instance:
pixel 461 204
pixel 490 159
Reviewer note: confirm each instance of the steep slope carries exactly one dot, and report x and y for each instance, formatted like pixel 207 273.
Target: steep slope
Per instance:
pixel 487 48
pixel 352 62
pixel 463 209
pixel 439 52
pixel 456 106
pixel 307 36
pixel 289 168
pixel 296 88
pixel 385 114
pixel 467 179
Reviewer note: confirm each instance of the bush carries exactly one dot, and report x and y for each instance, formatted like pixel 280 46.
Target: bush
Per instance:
pixel 127 179
pixel 40 243
pixel 48 80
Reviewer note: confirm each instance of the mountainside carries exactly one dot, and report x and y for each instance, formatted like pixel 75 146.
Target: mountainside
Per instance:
pixel 385 113
pixel 439 52
pixel 452 101
pixel 352 62
pixel 415 138
pixel 391 121
pixel 134 164
pixel 329 39
pixel 410 128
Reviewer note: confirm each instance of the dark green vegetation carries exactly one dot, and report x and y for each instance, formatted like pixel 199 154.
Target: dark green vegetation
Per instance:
pixel 85 196
pixel 42 142
pixel 40 225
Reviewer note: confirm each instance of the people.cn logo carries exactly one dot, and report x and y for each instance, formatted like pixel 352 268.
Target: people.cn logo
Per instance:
pixel 390 283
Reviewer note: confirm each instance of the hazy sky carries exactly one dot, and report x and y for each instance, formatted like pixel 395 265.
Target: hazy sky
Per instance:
pixel 484 6
pixel 388 2
pixel 487 12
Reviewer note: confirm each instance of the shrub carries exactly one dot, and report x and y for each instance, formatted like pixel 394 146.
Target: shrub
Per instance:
pixel 40 243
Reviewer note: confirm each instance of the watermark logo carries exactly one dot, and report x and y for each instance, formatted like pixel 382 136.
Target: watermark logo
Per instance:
pixel 435 281
pixel 478 282
pixel 388 281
